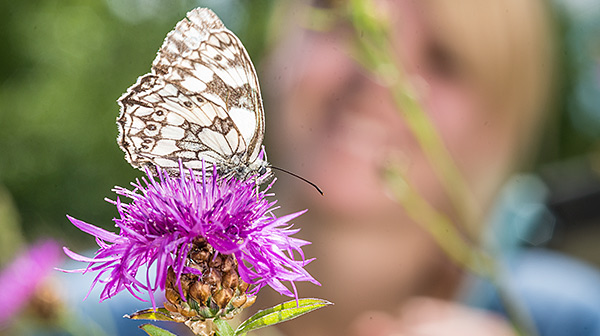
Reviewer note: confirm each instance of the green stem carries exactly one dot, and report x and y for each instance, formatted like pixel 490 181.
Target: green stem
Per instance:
pixel 377 55
pixel 223 328
pixel 470 257
pixel 441 228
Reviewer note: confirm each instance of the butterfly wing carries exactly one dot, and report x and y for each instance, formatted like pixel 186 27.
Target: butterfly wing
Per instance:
pixel 201 101
pixel 158 127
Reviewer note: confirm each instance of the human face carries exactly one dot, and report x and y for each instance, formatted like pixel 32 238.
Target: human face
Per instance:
pixel 339 125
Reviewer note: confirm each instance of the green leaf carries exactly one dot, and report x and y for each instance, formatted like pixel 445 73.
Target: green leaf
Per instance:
pixel 161 314
pixel 223 328
pixel 280 313
pixel 153 330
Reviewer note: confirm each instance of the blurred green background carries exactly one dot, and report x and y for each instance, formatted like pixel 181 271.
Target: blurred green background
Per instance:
pixel 64 63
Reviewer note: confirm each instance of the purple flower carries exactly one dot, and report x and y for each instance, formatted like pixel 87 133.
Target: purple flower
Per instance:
pixel 21 278
pixel 164 217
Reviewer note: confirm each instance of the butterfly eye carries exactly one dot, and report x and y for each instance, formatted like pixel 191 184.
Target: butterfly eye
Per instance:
pixel 218 58
pixel 160 113
pixel 188 104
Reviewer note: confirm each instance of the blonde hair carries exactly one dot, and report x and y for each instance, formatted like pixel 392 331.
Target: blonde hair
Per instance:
pixel 507 47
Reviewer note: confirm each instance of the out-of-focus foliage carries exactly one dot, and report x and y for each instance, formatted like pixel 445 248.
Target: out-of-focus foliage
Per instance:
pixel 582 41
pixel 63 65
pixel 577 130
pixel 11 238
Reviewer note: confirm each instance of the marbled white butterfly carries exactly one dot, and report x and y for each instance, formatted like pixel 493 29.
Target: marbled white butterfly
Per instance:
pixel 201 102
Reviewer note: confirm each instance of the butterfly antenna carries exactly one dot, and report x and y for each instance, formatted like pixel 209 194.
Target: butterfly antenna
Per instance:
pixel 299 177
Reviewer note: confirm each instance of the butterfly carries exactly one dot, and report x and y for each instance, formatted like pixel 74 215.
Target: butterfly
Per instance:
pixel 200 104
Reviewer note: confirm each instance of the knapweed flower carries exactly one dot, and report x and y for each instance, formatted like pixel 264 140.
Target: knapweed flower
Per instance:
pixel 214 243
pixel 20 280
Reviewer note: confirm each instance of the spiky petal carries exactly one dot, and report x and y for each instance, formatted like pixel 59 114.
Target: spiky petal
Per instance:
pixel 165 215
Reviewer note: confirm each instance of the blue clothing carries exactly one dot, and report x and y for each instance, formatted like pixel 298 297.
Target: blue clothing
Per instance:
pixel 561 294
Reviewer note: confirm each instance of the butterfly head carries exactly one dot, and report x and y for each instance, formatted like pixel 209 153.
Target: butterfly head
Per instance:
pixel 260 170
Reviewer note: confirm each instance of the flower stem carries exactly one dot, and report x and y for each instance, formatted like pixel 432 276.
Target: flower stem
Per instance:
pixel 376 53
pixel 223 328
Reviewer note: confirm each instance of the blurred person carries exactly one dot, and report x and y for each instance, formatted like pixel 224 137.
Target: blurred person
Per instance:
pixel 483 73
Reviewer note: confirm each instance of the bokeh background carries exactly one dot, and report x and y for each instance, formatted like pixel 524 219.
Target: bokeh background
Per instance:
pixel 64 63
pixel 63 66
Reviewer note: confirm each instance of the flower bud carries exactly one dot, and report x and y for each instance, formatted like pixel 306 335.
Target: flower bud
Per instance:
pixel 218 292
